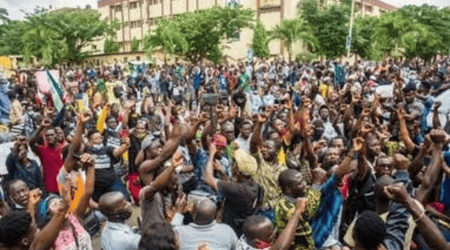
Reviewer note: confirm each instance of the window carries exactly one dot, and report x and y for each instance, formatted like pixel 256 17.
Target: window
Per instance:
pixel 135 24
pixel 125 59
pixel 94 47
pixel 369 8
pixel 133 5
pixel 118 8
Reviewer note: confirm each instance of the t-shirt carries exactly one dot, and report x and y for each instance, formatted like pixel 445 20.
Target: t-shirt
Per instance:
pixel 51 159
pixel 240 201
pixel 216 236
pixel 104 171
pixel 154 211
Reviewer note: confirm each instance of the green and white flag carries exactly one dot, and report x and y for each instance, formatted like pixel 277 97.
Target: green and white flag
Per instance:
pixel 55 90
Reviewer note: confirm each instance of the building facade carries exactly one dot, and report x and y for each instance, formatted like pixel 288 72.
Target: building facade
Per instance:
pixel 139 17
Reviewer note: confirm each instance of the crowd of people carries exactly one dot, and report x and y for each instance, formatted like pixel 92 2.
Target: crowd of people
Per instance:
pixel 257 155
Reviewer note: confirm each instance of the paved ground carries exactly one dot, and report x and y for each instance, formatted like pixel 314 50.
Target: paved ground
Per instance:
pixel 132 223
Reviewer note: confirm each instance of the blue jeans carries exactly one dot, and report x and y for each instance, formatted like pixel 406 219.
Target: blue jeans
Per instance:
pixel 117 185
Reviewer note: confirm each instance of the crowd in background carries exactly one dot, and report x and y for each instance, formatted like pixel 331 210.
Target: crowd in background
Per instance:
pixel 255 155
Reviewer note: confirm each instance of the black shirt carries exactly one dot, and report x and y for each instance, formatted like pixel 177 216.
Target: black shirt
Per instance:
pixel 104 171
pixel 240 202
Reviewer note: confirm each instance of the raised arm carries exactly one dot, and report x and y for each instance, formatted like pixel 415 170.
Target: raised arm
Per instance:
pixel 286 238
pixel 256 140
pixel 209 170
pixel 35 137
pixel 126 114
pixel 345 167
pixel 434 169
pixel 436 120
pixel 426 227
pixel 403 131
pixel 76 143
pixel 46 237
pixel 307 145
pixel 83 204
pixel 191 135
pixel 168 150
pixel 123 148
pixel 161 180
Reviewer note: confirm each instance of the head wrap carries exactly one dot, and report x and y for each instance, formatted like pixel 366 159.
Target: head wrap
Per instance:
pixel 220 141
pixel 246 163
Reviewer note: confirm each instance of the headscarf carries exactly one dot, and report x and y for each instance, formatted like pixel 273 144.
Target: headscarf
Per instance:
pixel 246 163
pixel 220 141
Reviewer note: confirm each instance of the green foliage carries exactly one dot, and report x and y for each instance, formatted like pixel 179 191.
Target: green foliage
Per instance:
pixel 399 36
pixel 134 44
pixel 260 42
pixel 10 38
pixel 438 22
pixel 110 46
pixel 329 25
pixel 53 37
pixel 292 30
pixel 362 35
pixel 202 31
pixel 167 37
pixel 3 15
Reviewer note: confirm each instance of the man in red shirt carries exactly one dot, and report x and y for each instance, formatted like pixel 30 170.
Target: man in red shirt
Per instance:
pixel 50 154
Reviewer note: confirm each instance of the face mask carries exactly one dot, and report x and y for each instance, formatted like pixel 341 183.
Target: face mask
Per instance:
pixel 97 146
pixel 141 136
pixel 123 216
pixel 262 244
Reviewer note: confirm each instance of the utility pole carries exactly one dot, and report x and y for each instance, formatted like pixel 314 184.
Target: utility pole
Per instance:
pixel 349 38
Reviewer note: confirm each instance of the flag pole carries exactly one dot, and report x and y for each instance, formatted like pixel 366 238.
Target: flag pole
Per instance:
pixel 350 31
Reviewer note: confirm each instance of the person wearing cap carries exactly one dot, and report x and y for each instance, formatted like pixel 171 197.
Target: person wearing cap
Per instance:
pixel 241 195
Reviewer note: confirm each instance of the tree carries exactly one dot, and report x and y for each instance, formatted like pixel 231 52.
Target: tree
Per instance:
pixel 10 38
pixel 55 37
pixel 438 22
pixel 260 42
pixel 362 35
pixel 3 15
pixel 134 44
pixel 205 30
pixel 110 46
pixel 329 25
pixel 398 36
pixel 167 38
pixel 292 30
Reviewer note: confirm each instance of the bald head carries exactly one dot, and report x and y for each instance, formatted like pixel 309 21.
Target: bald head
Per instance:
pixel 205 212
pixel 258 227
pixel 109 202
